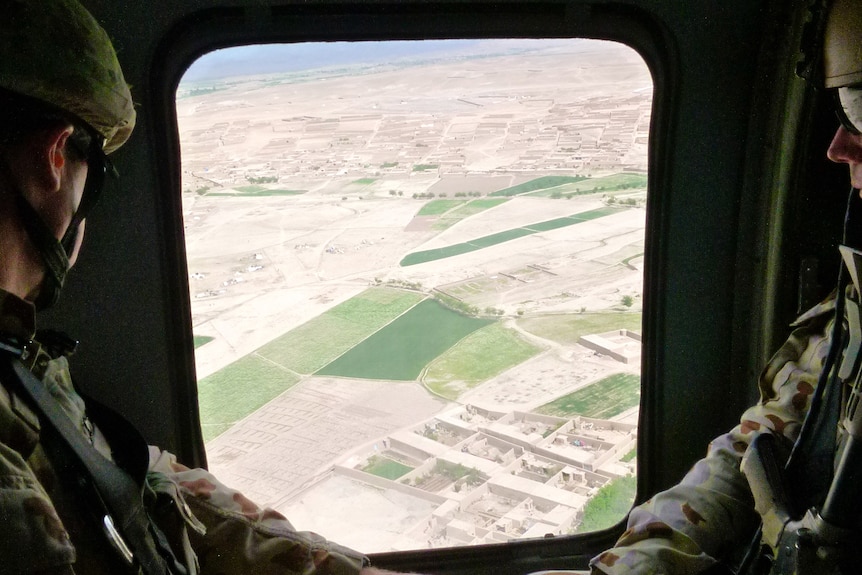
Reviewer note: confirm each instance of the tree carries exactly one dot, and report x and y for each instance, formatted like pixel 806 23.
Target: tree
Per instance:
pixel 609 505
pixel 628 301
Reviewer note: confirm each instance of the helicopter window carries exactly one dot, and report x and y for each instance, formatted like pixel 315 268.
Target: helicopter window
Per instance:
pixel 416 278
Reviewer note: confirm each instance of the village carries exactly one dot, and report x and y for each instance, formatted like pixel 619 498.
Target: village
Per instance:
pixel 495 476
pixel 298 196
pixel 599 135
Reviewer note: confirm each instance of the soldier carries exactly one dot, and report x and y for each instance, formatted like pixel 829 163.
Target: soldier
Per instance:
pixel 708 519
pixel 79 492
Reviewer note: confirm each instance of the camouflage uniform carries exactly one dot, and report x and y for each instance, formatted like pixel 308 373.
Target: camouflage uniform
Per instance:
pixel 46 529
pixel 710 515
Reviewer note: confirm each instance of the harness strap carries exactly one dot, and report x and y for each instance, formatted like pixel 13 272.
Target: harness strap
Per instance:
pixel 130 453
pixel 52 251
pixel 125 522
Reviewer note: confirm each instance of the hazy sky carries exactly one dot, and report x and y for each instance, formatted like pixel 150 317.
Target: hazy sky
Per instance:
pixel 274 58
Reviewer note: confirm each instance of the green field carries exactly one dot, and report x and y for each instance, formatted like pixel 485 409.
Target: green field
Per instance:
pixel 364 181
pixel 608 507
pixel 202 340
pixel 571 220
pixel 605 184
pixel 472 208
pixel 423 256
pixel 567 329
pixel 247 384
pixel 386 468
pixel 480 356
pixel 436 254
pixel 402 349
pixel 500 237
pixel 437 207
pixel 476 206
pixel 542 183
pixel 601 400
pixel 242 387
pixel 317 342
pixel 254 188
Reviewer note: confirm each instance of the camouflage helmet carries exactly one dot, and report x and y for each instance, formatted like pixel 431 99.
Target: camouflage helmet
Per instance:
pixel 56 52
pixel 842 45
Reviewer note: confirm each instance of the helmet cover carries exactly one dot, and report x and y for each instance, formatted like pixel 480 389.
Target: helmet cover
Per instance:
pixel 842 45
pixel 56 52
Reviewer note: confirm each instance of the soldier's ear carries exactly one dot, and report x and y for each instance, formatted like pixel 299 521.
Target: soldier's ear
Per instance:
pixel 50 157
pixel 38 161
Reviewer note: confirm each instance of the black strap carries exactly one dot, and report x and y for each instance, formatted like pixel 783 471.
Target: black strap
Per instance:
pixel 50 249
pixel 120 495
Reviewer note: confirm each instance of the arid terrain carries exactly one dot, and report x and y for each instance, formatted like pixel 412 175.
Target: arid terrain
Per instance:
pixel 299 194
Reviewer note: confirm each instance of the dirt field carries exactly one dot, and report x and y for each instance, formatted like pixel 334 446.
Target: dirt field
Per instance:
pixel 260 266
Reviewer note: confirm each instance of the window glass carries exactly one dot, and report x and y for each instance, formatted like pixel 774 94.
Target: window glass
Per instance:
pixel 416 278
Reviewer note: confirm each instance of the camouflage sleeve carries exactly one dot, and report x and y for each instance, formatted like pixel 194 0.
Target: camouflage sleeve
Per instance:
pixel 709 515
pixel 34 539
pixel 238 537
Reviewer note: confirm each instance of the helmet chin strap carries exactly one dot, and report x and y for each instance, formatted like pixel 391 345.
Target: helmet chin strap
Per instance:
pixel 54 255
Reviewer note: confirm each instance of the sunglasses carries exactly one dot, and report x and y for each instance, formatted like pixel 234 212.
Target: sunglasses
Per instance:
pixel 848 106
pixel 89 147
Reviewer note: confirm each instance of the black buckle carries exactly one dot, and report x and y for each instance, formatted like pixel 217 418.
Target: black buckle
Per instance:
pixel 56 343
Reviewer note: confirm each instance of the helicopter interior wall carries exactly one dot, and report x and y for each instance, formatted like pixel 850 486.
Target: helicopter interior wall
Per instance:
pixel 128 298
pixel 822 198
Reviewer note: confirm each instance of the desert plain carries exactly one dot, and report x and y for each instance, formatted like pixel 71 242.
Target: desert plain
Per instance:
pixel 303 189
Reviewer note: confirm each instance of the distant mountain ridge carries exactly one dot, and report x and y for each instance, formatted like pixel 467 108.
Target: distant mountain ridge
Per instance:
pixel 280 58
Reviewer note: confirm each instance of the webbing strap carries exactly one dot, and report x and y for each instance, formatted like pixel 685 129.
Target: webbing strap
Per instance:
pixel 49 247
pixel 118 492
